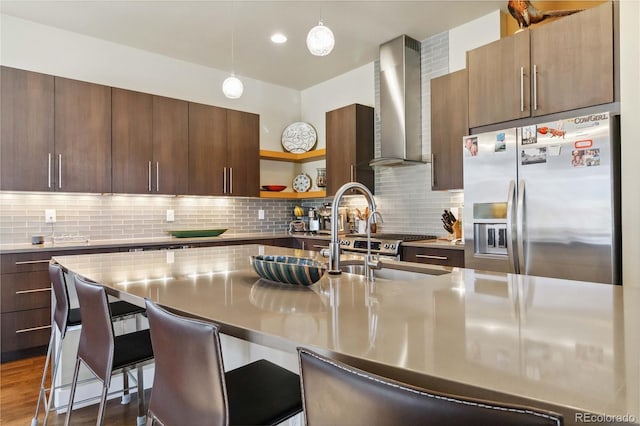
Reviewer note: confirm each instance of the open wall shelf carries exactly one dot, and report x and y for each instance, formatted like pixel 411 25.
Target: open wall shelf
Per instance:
pixel 293 195
pixel 317 154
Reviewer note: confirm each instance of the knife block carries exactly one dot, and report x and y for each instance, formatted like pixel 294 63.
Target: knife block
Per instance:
pixel 457 229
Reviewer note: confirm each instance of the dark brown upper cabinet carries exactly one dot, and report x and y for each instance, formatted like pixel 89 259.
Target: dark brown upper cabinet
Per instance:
pixel 449 124
pixel 170 145
pixel 349 133
pixel 149 143
pixel 224 148
pixel 27 150
pixel 56 133
pixel 207 150
pixel 560 66
pixel 132 141
pixel 82 136
pixel 243 153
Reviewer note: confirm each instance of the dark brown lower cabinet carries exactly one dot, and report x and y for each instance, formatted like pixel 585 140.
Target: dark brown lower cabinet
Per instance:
pixel 24 330
pixel 433 256
pixel 25 308
pixel 311 244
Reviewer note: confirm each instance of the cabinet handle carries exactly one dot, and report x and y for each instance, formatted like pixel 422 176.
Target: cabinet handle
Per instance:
pixel 157 176
pixel 433 170
pixel 37 290
pixel 26 330
pixel 230 180
pixel 430 256
pixel 352 173
pixel 320 247
pixel 521 89
pixel 224 180
pixel 149 177
pixel 49 172
pixel 535 87
pixel 59 171
pixel 30 262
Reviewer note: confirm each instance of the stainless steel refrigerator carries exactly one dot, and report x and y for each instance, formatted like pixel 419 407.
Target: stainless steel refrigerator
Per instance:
pixel 544 199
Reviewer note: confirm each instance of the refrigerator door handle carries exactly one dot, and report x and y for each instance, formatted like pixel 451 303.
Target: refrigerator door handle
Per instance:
pixel 511 231
pixel 520 228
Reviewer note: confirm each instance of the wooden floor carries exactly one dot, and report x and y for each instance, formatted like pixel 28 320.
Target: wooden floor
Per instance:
pixel 19 385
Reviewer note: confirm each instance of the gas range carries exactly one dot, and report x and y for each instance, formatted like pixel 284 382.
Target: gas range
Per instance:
pixel 381 244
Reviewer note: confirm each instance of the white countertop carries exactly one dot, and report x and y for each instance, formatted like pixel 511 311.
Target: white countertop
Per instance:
pixel 564 345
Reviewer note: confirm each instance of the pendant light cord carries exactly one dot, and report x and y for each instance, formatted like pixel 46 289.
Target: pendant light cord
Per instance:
pixel 233 30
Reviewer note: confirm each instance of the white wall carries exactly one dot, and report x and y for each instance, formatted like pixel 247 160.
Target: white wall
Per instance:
pixel 355 86
pixel 470 35
pixel 31 46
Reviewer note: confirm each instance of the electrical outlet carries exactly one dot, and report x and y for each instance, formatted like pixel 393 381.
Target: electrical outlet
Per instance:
pixel 170 216
pixel 260 214
pixel 49 216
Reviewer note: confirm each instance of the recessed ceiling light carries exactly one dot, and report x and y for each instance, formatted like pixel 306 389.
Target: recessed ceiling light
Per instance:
pixel 279 38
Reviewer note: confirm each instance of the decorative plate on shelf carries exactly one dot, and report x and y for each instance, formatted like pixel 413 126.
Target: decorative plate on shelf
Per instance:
pixel 302 183
pixel 299 137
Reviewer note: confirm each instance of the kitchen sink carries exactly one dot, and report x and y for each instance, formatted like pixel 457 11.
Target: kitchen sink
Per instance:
pixel 387 273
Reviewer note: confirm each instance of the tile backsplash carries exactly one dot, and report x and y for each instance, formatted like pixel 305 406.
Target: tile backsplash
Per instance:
pixel 103 217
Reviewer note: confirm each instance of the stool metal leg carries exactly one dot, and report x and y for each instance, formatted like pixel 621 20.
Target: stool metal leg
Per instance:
pixel 56 364
pixel 74 381
pixel 103 400
pixel 43 392
pixel 126 396
pixel 141 419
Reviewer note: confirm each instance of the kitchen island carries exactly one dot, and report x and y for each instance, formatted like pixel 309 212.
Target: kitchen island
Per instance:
pixel 569 346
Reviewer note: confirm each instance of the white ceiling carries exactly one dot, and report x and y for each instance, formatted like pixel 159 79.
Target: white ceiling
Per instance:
pixel 200 31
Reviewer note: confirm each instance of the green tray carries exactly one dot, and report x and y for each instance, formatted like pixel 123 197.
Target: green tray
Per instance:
pixel 192 233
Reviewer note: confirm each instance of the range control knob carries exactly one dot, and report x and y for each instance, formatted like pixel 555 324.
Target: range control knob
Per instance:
pixel 392 246
pixel 386 246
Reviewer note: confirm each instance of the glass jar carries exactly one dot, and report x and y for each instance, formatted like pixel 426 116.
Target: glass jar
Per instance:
pixel 321 180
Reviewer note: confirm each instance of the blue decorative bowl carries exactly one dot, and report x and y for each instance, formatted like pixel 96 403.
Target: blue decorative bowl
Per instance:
pixel 288 269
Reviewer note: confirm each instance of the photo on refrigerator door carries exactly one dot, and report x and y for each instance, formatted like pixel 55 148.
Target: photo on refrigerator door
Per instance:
pixel 555 132
pixel 585 157
pixel 500 145
pixel 470 146
pixel 529 135
pixel 533 156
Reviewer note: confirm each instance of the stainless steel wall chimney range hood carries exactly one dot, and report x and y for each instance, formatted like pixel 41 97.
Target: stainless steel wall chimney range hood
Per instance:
pixel 400 103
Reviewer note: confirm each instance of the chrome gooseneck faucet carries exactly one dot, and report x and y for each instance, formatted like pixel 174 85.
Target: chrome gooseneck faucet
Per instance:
pixel 334 246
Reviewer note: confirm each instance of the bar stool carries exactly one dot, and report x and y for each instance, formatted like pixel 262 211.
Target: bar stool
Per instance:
pixel 102 351
pixel 190 386
pixel 65 317
pixel 335 393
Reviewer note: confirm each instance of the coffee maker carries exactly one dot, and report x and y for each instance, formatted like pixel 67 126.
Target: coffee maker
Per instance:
pixel 324 218
pixel 314 220
pixel 324 214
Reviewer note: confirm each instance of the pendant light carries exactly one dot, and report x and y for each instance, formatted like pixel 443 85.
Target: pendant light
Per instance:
pixel 320 40
pixel 232 87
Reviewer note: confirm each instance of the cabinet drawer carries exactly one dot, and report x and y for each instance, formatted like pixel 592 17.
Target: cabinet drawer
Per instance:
pixel 434 256
pixel 312 244
pixel 39 260
pixel 25 329
pixel 25 262
pixel 28 290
